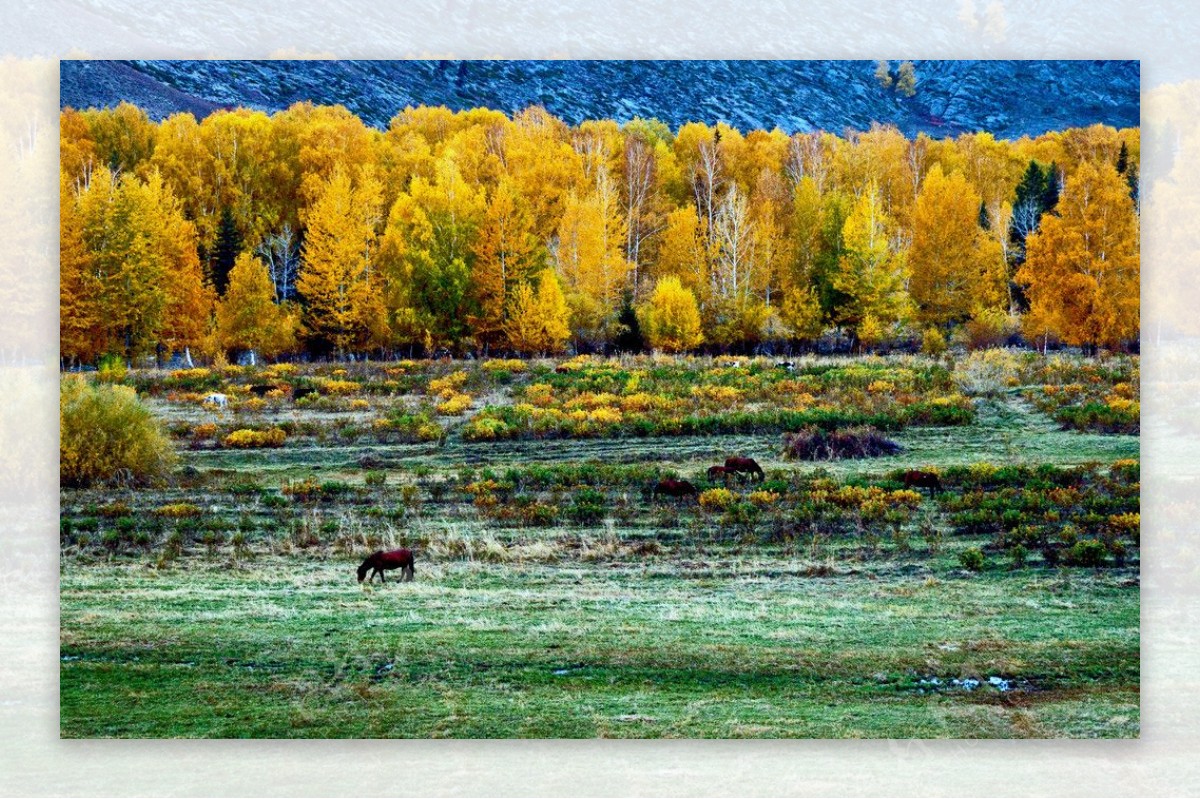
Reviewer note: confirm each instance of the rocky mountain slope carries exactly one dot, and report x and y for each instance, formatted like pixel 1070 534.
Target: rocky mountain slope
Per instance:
pixel 1008 98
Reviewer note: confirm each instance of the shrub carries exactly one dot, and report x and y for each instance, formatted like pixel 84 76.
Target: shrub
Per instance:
pixel 111 369
pixel 812 443
pixel 255 439
pixel 375 478
pixel 972 559
pixel 454 405
pixel 448 385
pixel 933 343
pixel 177 510
pixel 1126 524
pixel 410 427
pixel 203 431
pixel 505 365
pixel 588 505
pixel 1087 553
pixel 116 509
pixel 339 387
pixel 107 436
pixel 715 499
pixel 486 429
pixel 763 498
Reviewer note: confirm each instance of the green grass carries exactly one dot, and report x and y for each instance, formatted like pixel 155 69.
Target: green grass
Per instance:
pixel 1009 430
pixel 659 623
pixel 744 646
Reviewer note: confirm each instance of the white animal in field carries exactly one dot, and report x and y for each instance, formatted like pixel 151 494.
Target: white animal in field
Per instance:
pixel 217 400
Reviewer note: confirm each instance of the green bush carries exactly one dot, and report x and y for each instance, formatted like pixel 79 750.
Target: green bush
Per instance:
pixel 933 342
pixel 972 559
pixel 1087 553
pixel 106 436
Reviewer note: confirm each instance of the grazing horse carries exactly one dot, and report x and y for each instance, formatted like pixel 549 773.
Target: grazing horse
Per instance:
pixel 300 392
pixel 747 466
pixel 915 478
pixel 217 400
pixel 384 561
pixel 720 473
pixel 675 488
pixel 261 389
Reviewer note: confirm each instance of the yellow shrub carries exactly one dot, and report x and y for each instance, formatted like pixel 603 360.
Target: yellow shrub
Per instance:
pixel 505 365
pixel 715 499
pixel 451 382
pixel 1126 524
pixel 199 373
pixel 339 387
pixel 906 498
pixel 177 510
pixel 983 470
pixel 540 394
pixel 359 405
pixel 205 430
pixel 1123 405
pixel 280 369
pixel 254 439
pixel 763 498
pixel 881 387
pixel 254 404
pixel 605 416
pixel 589 400
pixel 454 405
pixel 725 395
pixel 641 402
pixel 107 436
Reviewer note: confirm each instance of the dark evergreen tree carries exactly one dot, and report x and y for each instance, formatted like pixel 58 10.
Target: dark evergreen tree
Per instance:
pixel 985 221
pixel 630 338
pixel 1050 198
pixel 1122 159
pixel 226 251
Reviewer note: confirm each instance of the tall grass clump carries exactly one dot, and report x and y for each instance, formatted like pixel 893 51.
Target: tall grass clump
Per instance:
pixel 106 436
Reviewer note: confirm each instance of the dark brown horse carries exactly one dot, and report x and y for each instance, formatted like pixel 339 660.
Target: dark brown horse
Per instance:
pixel 747 466
pixel 386 561
pixel 675 488
pixel 915 478
pixel 719 473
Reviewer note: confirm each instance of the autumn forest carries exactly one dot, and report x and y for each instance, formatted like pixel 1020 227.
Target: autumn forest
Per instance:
pixel 307 232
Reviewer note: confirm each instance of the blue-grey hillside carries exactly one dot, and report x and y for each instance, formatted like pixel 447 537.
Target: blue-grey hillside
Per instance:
pixel 1007 98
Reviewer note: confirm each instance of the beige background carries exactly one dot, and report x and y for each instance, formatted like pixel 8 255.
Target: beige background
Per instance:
pixel 32 37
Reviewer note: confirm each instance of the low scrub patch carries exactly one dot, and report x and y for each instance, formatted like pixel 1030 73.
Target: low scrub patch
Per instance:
pixel 812 443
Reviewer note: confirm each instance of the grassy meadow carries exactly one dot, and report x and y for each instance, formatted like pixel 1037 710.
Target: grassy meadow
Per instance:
pixel 557 596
